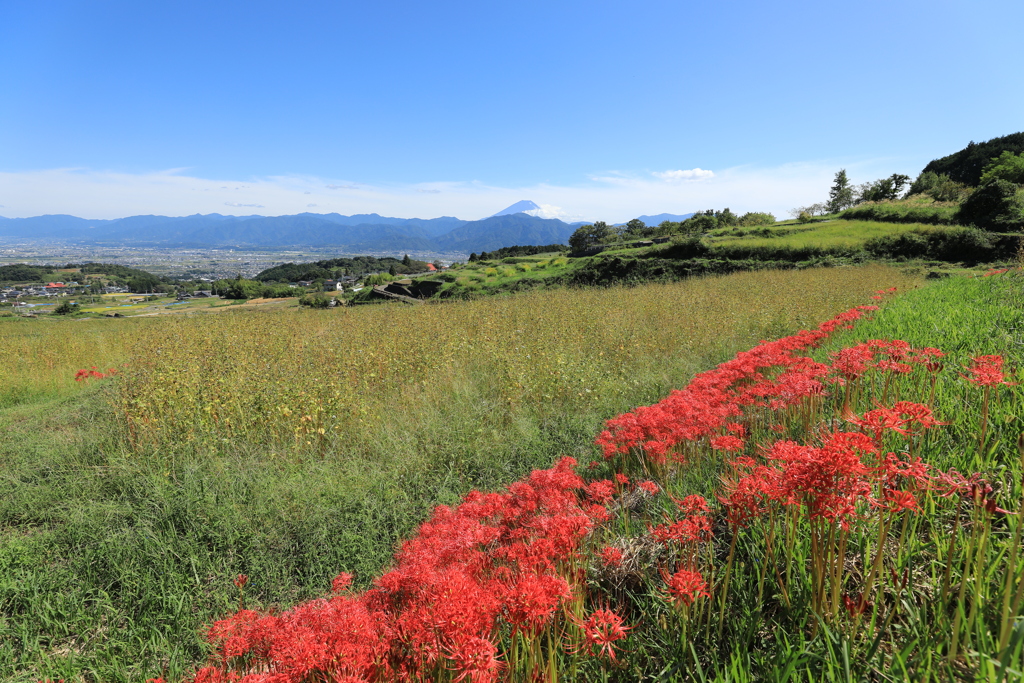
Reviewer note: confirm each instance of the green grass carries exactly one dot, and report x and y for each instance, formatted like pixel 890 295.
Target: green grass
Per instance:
pixel 113 557
pixel 764 638
pixel 824 236
pixel 514 274
pixel 919 208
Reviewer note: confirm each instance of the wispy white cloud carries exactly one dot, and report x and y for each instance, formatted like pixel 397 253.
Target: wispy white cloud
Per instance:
pixel 610 196
pixel 551 211
pixel 681 175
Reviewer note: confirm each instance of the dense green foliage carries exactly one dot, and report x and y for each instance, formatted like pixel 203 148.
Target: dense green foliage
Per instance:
pixel 996 205
pixel 19 272
pixel 529 250
pixel 65 307
pixel 241 288
pixel 967 165
pixel 966 245
pixel 939 187
pixel 902 212
pixel 700 223
pixel 884 189
pixel 1007 166
pixel 138 280
pixel 332 268
pixel 587 236
pixel 317 300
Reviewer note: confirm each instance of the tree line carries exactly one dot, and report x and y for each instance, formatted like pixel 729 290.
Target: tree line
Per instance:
pixel 699 223
pixel 985 181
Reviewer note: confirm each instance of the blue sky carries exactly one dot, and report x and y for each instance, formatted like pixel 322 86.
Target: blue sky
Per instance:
pixel 596 110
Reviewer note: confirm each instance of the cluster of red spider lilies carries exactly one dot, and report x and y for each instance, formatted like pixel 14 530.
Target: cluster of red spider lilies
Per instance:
pixel 497 587
pixel 86 374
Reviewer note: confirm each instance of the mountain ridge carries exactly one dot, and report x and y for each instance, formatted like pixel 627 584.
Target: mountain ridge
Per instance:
pixel 361 232
pixel 368 232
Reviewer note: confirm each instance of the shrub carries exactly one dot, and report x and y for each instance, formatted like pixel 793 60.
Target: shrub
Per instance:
pixel 317 300
pixel 752 218
pixel 65 308
pixel 1007 166
pixel 899 212
pixel 961 245
pixel 996 204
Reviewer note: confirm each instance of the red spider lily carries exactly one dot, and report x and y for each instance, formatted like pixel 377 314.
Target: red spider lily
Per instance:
pixel 601 630
pixel 852 362
pixel 894 469
pixel 713 399
pixel 240 581
pixel 878 420
pixel 916 412
pixel 894 366
pixel 692 504
pixel 744 496
pixel 896 500
pixel 649 486
pixel 974 488
pixel 693 529
pixel 476 660
pixel 736 428
pixel 93 373
pixel 827 480
pixel 341 582
pixel 685 586
pixel 857 604
pixel 611 557
pixel 992 272
pixel 986 371
pixel 601 491
pixel 621 478
pixel 531 601
pixel 727 443
pixel 928 357
pixel 490 560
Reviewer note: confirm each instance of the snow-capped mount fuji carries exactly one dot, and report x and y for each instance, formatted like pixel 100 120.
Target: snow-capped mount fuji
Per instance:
pixel 523 206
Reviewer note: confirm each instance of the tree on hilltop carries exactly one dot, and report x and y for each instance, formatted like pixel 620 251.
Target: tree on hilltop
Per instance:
pixel 590 235
pixel 841 194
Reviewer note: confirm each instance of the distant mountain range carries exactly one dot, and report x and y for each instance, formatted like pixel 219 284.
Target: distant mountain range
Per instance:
pixel 662 217
pixel 353 234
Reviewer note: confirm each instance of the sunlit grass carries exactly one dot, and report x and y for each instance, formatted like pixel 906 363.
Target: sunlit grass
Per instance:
pixel 825 235
pixel 293 444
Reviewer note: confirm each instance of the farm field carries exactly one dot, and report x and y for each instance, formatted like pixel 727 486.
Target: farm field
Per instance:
pixel 854 517
pixel 127 507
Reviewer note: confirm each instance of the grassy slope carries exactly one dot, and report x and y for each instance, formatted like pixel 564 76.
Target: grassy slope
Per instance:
pixel 785 245
pixel 763 639
pixel 113 557
pixel 824 235
pixel 756 634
